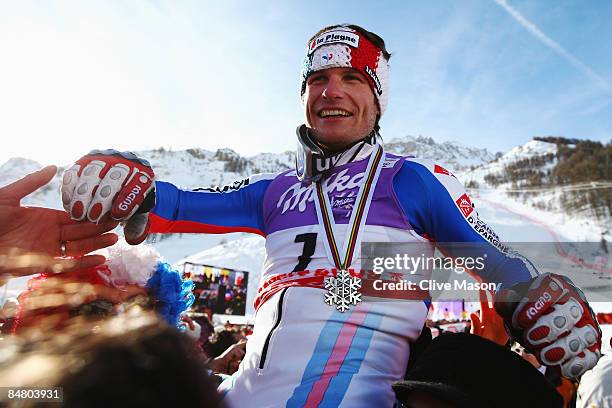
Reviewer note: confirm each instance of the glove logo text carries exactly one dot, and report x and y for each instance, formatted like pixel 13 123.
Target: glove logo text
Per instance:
pixel 546 297
pixel 124 205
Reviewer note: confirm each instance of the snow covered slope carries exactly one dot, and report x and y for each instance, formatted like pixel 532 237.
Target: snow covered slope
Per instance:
pixel 515 220
pixel 531 149
pixel 197 167
pixel 546 200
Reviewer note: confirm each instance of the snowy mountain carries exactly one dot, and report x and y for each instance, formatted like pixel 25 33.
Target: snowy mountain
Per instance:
pixel 481 171
pixel 452 155
pixel 495 169
pixel 15 168
pixel 539 175
pixel 193 168
pixel 537 216
pixel 201 168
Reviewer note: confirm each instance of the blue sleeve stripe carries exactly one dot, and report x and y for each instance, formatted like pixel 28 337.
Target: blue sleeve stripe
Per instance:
pixel 241 207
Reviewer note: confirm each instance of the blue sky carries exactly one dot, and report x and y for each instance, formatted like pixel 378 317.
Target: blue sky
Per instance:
pixel 78 75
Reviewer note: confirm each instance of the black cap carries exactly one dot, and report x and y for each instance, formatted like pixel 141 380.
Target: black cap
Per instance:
pixel 466 370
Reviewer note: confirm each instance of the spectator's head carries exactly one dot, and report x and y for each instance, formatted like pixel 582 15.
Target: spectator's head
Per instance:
pixel 131 275
pixel 207 328
pixel 224 339
pixel 129 360
pixel 51 300
pixel 464 370
pixel 196 333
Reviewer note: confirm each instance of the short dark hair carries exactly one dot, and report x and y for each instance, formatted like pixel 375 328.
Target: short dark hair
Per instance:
pixel 373 37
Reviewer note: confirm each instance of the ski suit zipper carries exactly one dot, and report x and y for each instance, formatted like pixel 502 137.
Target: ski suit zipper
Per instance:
pixel 279 315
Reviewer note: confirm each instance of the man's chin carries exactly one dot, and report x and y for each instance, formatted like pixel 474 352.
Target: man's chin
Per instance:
pixel 333 141
pixel 336 139
pixel 331 137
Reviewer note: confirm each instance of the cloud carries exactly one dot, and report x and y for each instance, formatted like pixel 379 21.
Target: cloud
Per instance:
pixel 553 45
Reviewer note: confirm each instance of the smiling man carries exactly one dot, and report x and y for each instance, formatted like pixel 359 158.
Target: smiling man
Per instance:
pixel 345 190
pixel 342 86
pixel 340 107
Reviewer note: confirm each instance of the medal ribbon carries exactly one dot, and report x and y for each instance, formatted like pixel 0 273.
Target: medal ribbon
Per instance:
pixel 358 216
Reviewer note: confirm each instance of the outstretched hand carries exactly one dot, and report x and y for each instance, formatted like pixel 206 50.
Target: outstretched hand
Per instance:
pixel 31 237
pixel 489 325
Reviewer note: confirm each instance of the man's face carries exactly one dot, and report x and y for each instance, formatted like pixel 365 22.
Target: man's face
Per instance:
pixel 340 107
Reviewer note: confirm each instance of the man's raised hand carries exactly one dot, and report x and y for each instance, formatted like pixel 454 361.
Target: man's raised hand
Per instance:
pixel 552 319
pixel 107 184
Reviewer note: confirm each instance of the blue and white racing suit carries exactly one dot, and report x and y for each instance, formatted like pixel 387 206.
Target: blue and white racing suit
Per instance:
pixel 303 352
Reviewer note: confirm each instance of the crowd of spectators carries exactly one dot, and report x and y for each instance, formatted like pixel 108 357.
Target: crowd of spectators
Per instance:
pixel 220 295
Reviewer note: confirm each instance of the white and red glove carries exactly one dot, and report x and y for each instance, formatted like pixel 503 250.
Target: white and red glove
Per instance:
pixel 552 319
pixel 108 183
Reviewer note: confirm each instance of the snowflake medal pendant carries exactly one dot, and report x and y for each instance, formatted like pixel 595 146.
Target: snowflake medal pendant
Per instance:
pixel 343 290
